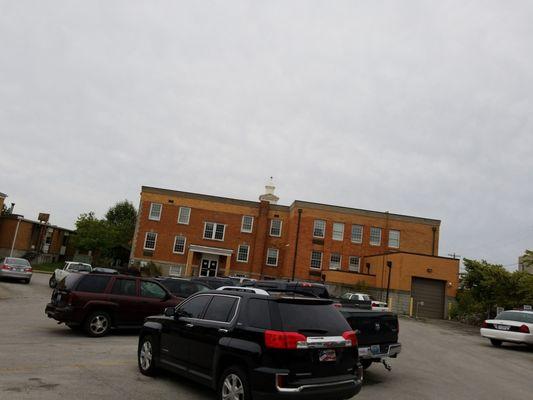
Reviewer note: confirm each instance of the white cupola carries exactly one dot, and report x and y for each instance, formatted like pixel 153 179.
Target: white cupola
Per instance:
pixel 269 192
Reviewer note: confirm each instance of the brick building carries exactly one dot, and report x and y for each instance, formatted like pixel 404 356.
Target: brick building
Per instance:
pixel 39 241
pixel 192 234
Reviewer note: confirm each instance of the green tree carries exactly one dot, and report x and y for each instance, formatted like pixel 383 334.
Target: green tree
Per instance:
pixel 91 233
pixel 527 258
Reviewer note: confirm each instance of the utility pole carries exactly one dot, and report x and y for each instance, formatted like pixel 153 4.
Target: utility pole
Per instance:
pixel 389 264
pixel 15 236
pixel 454 256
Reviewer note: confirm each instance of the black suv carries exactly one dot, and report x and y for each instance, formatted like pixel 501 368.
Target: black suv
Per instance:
pixel 248 343
pixel 314 289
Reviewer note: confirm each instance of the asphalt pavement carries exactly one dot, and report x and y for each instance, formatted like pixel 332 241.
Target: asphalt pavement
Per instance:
pixel 40 359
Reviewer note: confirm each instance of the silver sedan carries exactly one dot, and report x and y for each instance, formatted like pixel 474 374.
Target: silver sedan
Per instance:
pixel 17 268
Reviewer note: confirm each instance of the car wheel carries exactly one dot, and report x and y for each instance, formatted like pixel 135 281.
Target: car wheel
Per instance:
pixel 496 342
pixel 52 282
pixel 98 324
pixel 146 356
pixel 366 363
pixel 233 385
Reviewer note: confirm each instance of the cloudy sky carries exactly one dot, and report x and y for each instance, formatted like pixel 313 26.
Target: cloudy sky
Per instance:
pixel 415 107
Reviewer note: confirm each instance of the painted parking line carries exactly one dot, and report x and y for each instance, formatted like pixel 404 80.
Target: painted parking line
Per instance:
pixel 28 368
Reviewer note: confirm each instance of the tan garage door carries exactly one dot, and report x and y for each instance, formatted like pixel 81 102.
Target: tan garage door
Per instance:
pixel 431 293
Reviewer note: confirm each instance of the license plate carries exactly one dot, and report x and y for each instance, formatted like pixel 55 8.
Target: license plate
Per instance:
pixel 503 327
pixel 363 351
pixel 375 349
pixel 19 270
pixel 327 355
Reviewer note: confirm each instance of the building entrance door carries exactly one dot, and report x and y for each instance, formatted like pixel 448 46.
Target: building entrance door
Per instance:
pixel 208 267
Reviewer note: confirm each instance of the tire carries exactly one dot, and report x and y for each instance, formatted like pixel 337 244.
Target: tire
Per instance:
pixel 97 324
pixel 366 363
pixel 146 356
pixel 496 342
pixel 233 385
pixel 52 282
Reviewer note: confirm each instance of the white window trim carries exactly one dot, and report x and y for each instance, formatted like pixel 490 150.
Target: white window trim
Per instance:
pixel 333 232
pixel 280 227
pixel 394 247
pixel 160 212
pixel 362 234
pixel 215 224
pixel 155 241
pixel 277 257
pixel 247 253
pixel 314 228
pixel 340 262
pixel 321 259
pixel 188 216
pixel 172 269
pixel 358 264
pixel 184 244
pixel 242 224
pixel 380 236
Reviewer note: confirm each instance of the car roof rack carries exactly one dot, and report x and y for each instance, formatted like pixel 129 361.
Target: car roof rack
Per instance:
pixel 244 289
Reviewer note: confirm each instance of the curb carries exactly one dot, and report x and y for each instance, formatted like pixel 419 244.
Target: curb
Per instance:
pixel 42 272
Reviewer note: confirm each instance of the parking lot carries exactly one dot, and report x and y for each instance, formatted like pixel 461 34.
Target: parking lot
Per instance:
pixel 42 360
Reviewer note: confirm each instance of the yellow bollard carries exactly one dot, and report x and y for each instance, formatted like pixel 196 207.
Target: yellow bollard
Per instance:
pixel 390 303
pixel 411 307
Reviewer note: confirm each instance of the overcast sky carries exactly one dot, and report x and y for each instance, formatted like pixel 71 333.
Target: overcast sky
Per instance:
pixel 415 107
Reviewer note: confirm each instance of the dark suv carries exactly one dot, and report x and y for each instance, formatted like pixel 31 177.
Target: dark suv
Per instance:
pixel 248 343
pixel 98 302
pixel 314 289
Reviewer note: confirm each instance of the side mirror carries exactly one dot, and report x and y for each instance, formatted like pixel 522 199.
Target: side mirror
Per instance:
pixel 170 312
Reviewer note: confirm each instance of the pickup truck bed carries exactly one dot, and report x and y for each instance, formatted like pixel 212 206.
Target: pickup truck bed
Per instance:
pixel 377 333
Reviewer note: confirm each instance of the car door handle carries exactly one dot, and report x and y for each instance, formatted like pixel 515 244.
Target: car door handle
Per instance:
pixel 223 331
pixel 189 326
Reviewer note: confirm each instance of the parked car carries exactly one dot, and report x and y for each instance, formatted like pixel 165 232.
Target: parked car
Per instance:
pixel 377 334
pixel 511 326
pixel 241 279
pixel 68 267
pixel 182 288
pixel 311 288
pixel 213 282
pixel 250 345
pixel 359 300
pixel 99 302
pixel 16 268
pixel 379 305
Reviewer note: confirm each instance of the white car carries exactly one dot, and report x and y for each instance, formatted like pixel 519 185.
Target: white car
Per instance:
pixel 70 266
pixel 379 306
pixel 509 326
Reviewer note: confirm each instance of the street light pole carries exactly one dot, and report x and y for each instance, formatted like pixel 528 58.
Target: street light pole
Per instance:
pixel 15 236
pixel 389 264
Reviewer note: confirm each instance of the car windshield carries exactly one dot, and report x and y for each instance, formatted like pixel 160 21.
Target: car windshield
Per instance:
pixel 516 316
pixel 17 261
pixel 80 267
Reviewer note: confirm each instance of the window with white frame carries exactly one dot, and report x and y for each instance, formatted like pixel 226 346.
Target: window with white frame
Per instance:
pixel 272 257
pixel 338 231
pixel 275 227
pixel 316 259
pixel 179 244
pixel 357 233
pixel 150 240
pixel 247 224
pixel 375 236
pixel 394 239
pixel 242 253
pixel 335 261
pixel 214 231
pixel 155 211
pixel 353 264
pixel 184 215
pixel 177 270
pixel 319 228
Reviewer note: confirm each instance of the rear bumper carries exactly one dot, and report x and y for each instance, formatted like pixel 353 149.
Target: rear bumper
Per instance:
pixel 61 314
pixel 15 274
pixel 336 387
pixel 392 350
pixel 507 336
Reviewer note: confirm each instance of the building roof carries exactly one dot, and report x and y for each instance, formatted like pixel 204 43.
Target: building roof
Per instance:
pixel 295 204
pixel 16 216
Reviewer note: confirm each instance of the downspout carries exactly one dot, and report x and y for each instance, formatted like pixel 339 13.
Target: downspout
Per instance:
pixel 434 229
pixel 296 244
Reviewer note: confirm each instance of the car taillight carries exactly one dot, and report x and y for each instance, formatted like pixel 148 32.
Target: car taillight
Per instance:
pixel 28 270
pixel 484 324
pixel 5 266
pixel 337 305
pixel 283 340
pixel 374 304
pixel 351 337
pixel 524 329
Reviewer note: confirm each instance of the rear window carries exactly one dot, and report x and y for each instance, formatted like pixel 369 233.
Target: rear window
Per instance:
pixel 93 283
pixel 516 316
pixel 312 319
pixel 17 261
pixel 69 282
